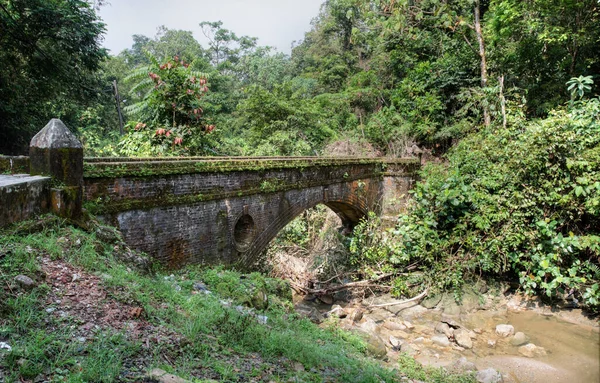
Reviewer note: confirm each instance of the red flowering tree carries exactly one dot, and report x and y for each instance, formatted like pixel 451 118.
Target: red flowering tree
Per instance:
pixel 170 118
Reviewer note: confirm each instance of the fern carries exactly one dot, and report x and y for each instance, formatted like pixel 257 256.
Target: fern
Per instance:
pixel 595 269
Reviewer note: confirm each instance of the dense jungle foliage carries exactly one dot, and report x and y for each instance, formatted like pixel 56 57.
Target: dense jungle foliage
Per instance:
pixel 522 201
pixel 501 94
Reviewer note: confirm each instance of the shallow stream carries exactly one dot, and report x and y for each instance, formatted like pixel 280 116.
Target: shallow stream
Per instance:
pixel 572 348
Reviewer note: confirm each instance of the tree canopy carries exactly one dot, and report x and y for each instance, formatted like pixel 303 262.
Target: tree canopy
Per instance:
pixel 50 54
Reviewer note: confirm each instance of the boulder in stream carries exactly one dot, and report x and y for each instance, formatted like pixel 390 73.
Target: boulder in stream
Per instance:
pixel 505 330
pixel 463 365
pixel 463 339
pixel 519 339
pixel 443 328
pixel 489 375
pixel 531 350
pixel 440 340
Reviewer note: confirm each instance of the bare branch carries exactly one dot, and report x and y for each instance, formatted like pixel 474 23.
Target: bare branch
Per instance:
pixel 418 297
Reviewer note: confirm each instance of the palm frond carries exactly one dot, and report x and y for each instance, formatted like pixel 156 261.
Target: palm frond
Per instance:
pixel 199 74
pixel 136 109
pixel 138 73
pixel 143 86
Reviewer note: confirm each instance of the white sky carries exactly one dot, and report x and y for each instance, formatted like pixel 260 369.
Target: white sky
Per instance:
pixel 275 22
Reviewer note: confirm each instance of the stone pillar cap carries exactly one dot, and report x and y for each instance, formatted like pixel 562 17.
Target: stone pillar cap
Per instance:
pixel 55 135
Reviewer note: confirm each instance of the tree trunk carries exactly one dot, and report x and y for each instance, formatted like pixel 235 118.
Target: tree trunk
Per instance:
pixel 502 101
pixel 486 113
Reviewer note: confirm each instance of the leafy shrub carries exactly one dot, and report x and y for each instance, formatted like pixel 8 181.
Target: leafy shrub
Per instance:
pixel 170 117
pixel 523 200
pixel 367 246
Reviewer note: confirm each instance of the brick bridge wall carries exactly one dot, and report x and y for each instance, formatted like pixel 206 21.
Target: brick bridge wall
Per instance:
pixel 227 210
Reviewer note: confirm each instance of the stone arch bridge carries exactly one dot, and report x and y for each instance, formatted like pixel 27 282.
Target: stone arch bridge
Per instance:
pixel 213 209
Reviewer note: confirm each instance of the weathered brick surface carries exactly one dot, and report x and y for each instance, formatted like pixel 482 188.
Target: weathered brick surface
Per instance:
pixel 230 211
pixel 23 197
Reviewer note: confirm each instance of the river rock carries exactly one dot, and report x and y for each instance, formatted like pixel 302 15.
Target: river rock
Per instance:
pixel 450 322
pixel 448 303
pixel 531 350
pixel 164 377
pixel 396 343
pixel 25 282
pixel 327 299
pixel 505 330
pixel 337 311
pixel 408 349
pixel 463 365
pixel 375 346
pixel 431 302
pixel 519 339
pixel 401 334
pixel 408 325
pixel 309 312
pixel 356 314
pixel 463 339
pixel 443 328
pixel 391 324
pixel 369 326
pixel 440 340
pixel 470 301
pixel 489 375
pixel 421 329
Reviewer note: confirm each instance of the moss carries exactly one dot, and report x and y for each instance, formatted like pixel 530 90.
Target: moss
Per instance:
pixel 120 168
pixel 14 165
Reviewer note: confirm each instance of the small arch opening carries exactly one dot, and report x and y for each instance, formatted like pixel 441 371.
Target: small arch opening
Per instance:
pixel 244 232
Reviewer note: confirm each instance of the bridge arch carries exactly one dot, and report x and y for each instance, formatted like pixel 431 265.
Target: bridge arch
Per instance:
pixel 350 208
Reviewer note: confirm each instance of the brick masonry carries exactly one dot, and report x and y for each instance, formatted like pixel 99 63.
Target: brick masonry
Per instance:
pixel 227 211
pixel 22 197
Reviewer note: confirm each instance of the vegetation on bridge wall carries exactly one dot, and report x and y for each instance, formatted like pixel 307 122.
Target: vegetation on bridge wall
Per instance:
pixel 14 164
pixel 147 167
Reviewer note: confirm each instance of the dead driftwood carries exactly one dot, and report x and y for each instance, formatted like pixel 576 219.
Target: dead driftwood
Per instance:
pixel 351 285
pixel 416 298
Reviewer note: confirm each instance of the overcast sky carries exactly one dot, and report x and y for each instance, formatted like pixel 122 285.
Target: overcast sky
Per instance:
pixel 275 22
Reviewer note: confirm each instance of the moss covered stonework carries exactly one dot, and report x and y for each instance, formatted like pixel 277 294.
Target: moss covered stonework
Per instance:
pixel 14 164
pixel 56 152
pixel 226 210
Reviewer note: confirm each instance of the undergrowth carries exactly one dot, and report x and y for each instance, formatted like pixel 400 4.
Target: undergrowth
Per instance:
pixel 520 202
pixel 219 330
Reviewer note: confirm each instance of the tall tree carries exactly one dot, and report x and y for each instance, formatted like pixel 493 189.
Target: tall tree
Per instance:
pixel 49 52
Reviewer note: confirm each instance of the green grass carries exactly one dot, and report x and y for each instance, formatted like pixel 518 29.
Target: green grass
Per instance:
pixel 212 339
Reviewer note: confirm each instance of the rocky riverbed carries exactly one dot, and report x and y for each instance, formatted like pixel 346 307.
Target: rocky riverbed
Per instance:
pixel 501 338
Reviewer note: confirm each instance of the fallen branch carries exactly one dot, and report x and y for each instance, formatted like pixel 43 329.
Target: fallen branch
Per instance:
pixel 418 297
pixel 350 285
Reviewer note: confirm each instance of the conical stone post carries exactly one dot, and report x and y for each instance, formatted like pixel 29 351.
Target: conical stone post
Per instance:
pixel 56 152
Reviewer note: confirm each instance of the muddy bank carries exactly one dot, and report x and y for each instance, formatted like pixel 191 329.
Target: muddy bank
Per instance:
pixel 521 338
